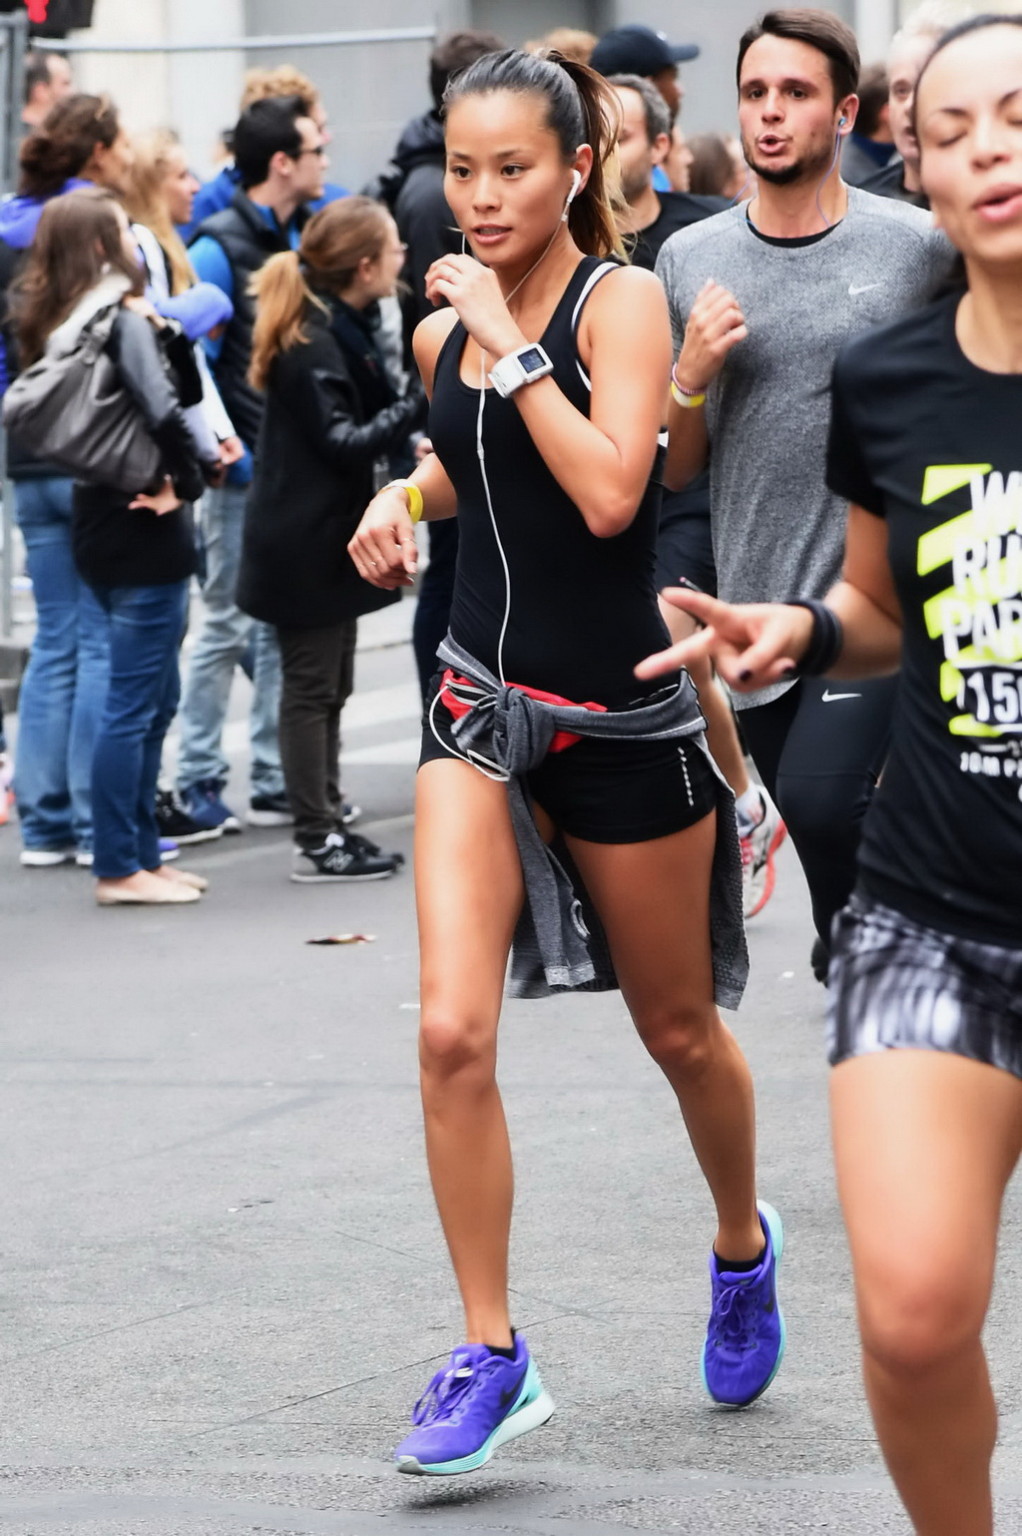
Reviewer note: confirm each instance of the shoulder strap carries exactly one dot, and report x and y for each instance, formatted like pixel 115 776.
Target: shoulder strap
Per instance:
pixel 596 275
pixel 442 357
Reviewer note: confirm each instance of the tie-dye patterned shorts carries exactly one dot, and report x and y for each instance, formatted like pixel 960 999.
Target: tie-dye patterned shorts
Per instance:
pixel 895 984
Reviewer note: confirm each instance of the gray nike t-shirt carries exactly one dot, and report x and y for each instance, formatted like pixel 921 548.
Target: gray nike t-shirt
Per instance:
pixel 778 532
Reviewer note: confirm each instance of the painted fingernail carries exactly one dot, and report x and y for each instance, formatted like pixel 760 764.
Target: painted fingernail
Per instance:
pixel 743 677
pixel 789 674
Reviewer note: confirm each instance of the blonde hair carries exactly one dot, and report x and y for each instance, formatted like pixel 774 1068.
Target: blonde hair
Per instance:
pixel 285 80
pixel 932 19
pixel 573 42
pixel 334 241
pixel 146 204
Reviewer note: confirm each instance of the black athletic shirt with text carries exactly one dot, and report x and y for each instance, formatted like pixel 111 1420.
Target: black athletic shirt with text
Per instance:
pixel 931 443
pixel 583 610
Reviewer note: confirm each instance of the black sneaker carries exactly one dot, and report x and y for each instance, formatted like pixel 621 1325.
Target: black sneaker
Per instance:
pixel 364 844
pixel 819 960
pixel 175 823
pixel 342 858
pixel 349 813
pixel 270 811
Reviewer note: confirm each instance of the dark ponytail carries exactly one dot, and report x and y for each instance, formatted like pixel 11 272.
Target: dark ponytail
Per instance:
pixel 580 108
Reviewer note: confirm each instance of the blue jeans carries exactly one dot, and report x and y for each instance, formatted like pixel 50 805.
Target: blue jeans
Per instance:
pixel 64 687
pixel 146 624
pixel 225 640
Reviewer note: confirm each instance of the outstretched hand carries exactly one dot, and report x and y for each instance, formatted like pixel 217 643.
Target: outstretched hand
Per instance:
pixel 751 644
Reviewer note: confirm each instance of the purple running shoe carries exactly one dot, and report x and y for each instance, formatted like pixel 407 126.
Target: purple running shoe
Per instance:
pixel 746 1335
pixel 476 1403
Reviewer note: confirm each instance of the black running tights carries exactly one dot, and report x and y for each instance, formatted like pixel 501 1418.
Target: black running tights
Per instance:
pixel 819 750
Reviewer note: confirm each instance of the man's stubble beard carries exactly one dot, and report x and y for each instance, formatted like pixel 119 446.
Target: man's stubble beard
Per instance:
pixel 789 175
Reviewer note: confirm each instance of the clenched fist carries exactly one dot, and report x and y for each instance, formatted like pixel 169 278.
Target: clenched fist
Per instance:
pixel 715 324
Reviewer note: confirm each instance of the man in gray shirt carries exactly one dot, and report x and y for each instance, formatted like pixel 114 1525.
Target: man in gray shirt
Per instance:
pixel 762 297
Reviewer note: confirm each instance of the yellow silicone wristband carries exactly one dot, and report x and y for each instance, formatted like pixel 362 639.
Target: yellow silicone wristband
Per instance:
pixel 413 494
pixel 687 402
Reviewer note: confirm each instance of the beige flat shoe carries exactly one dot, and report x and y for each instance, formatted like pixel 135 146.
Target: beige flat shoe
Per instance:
pixel 153 893
pixel 185 877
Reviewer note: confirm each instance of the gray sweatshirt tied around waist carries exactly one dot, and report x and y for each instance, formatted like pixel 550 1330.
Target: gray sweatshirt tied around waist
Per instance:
pixel 559 943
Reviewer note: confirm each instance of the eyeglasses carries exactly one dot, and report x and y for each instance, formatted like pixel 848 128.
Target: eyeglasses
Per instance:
pixel 317 149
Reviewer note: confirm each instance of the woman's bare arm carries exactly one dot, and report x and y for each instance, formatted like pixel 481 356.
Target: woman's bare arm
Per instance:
pixel 383 546
pixel 602 461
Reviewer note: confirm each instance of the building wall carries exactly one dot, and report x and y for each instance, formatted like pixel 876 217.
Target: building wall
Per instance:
pixel 196 93
pixel 371 90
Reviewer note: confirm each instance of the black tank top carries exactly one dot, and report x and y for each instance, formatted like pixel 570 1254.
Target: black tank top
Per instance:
pixel 583 610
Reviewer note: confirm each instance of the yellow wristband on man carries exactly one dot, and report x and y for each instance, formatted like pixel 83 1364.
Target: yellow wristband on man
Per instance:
pixel 413 495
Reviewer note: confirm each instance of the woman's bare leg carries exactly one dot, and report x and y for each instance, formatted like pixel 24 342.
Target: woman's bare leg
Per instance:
pixel 468 886
pixel 721 731
pixel 925 1143
pixel 653 899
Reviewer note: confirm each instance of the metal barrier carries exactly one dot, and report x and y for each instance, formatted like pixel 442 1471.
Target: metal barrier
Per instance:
pixel 252 44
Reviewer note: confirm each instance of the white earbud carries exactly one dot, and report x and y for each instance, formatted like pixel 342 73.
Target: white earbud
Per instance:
pixel 576 183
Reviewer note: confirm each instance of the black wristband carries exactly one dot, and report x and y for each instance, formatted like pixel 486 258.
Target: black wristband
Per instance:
pixel 825 642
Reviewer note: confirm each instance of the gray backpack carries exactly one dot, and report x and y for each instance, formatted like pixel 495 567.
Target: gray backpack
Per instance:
pixel 71 408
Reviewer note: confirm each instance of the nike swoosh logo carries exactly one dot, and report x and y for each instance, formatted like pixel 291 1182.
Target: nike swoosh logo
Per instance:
pixel 831 698
pixel 509 1396
pixel 854 288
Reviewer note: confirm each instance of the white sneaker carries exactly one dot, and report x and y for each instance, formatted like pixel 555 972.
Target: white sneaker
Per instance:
pixel 45 858
pixel 759 843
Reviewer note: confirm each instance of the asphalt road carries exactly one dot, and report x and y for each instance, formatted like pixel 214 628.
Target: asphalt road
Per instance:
pixel 222 1281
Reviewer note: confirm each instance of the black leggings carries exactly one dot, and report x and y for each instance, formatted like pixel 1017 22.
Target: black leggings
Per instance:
pixel 318 667
pixel 819 750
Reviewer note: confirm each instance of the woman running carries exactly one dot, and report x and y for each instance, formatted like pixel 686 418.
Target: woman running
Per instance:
pixel 547 381
pixel 926 974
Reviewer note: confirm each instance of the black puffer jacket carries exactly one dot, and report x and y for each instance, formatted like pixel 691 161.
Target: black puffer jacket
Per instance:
pixel 248 242
pixel 319 441
pixel 413 186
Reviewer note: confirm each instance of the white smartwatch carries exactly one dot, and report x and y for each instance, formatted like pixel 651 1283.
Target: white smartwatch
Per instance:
pixel 523 366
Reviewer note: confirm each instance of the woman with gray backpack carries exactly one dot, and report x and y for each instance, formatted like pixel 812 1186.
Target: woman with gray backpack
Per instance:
pixel 101 394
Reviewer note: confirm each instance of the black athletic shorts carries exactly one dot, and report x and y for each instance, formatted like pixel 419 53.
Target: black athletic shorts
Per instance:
pixel 895 984
pixel 684 543
pixel 603 791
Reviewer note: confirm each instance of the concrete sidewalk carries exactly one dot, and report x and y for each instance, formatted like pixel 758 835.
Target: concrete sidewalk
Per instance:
pixel 223 1283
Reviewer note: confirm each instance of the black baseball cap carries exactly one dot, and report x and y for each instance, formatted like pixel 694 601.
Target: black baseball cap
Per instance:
pixel 636 50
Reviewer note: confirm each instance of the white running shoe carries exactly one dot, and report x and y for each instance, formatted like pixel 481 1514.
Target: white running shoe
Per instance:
pixel 759 844
pixel 45 858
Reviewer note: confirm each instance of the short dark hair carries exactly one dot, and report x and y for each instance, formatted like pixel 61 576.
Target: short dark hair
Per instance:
pixel 821 30
pixel 873 90
pixel 264 129
pixel 654 107
pixel 456 52
pixel 37 71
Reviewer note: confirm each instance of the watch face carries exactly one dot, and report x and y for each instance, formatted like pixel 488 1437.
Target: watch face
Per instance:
pixel 532 359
